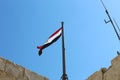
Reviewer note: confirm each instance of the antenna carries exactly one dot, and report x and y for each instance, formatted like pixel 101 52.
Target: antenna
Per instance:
pixel 110 20
pixel 103 4
pixel 117 27
pixel 106 12
pixel 116 24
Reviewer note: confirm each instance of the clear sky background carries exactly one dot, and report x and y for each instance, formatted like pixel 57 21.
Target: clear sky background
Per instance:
pixel 90 43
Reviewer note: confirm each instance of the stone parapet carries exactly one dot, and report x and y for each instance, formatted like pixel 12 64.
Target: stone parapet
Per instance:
pixel 96 76
pixel 112 73
pixel 11 71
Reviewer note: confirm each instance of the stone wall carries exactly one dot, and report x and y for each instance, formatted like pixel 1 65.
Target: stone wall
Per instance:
pixel 112 73
pixel 11 71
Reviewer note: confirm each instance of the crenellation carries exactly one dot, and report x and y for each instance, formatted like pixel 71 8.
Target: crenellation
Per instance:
pixel 112 73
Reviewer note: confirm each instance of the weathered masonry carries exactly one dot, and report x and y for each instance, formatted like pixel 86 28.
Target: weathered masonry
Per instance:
pixel 11 71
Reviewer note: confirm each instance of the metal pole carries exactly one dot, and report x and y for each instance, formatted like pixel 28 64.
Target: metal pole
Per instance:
pixel 110 20
pixel 113 25
pixel 64 76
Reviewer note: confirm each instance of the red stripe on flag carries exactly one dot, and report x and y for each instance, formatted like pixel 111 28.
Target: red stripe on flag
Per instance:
pixel 55 32
pixel 39 47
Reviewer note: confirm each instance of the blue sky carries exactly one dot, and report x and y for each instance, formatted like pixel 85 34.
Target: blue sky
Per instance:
pixel 90 43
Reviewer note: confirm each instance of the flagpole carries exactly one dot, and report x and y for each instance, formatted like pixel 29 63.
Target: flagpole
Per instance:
pixel 64 75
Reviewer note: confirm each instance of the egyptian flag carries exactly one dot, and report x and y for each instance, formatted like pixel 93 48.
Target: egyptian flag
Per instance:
pixel 54 37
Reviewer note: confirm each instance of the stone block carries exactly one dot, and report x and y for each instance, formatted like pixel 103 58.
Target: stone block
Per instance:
pixel 8 78
pixel 14 69
pixel 33 76
pixel 116 60
pixel 113 73
pixel 96 76
pixel 2 64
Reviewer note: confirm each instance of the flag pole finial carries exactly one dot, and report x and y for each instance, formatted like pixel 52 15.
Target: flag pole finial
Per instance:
pixel 62 23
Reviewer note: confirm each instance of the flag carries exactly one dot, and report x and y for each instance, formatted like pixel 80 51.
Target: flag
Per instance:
pixel 54 37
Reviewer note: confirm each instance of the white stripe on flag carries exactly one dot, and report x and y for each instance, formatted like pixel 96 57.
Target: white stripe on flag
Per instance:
pixel 53 37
